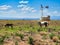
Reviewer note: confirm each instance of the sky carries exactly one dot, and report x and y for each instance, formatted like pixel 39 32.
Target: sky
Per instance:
pixel 28 8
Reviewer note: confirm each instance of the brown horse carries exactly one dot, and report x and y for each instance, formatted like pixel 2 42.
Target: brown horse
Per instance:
pixel 9 25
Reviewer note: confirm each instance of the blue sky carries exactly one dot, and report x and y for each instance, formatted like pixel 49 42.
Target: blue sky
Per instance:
pixel 28 8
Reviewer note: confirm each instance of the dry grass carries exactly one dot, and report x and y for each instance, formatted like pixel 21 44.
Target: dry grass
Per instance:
pixel 29 28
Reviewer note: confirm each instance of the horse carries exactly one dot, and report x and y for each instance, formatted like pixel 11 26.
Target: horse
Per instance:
pixel 44 23
pixel 9 25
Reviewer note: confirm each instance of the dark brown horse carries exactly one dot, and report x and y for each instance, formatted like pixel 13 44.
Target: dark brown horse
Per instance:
pixel 9 25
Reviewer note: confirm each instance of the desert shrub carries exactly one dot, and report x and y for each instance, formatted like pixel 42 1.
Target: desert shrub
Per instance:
pixel 39 30
pixel 30 41
pixel 55 39
pixel 56 42
pixel 51 35
pixel 59 37
pixel 44 29
pixel 2 39
pixel 16 43
pixel 54 29
pixel 20 29
pixel 31 25
pixel 7 36
pixel 50 30
pixel 20 35
pixel 44 37
pixel 33 28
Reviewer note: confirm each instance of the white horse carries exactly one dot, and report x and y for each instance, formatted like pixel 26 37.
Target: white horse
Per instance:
pixel 43 23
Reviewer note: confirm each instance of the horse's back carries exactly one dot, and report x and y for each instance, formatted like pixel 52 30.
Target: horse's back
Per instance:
pixel 8 25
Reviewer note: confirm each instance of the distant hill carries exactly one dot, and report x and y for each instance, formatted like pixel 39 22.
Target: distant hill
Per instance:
pixel 52 18
pixel 19 18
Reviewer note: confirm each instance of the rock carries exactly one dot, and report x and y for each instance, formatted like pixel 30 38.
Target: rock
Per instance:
pixel 37 37
pixel 17 38
pixel 37 43
pixel 58 32
pixel 9 43
pixel 55 38
pixel 43 33
pixel 25 38
pixel 46 42
pixel 58 41
pixel 23 43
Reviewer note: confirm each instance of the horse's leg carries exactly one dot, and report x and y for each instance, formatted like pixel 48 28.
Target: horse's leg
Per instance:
pixel 46 25
pixel 5 25
pixel 12 27
pixel 8 26
pixel 40 25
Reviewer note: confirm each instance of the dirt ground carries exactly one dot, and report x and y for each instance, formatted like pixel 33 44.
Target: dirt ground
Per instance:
pixel 21 37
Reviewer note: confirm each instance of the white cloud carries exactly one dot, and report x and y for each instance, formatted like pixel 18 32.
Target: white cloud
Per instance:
pixel 16 14
pixel 23 2
pixel 20 5
pixel 55 12
pixel 51 13
pixel 5 7
pixel 30 9
pixel 45 12
pixel 26 8
pixel 33 10
pixel 9 12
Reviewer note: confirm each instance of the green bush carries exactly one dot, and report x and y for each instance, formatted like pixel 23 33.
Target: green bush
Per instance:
pixel 56 42
pixel 51 35
pixel 59 37
pixel 44 37
pixel 20 35
pixel 39 30
pixel 16 43
pixel 30 41
pixel 2 39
